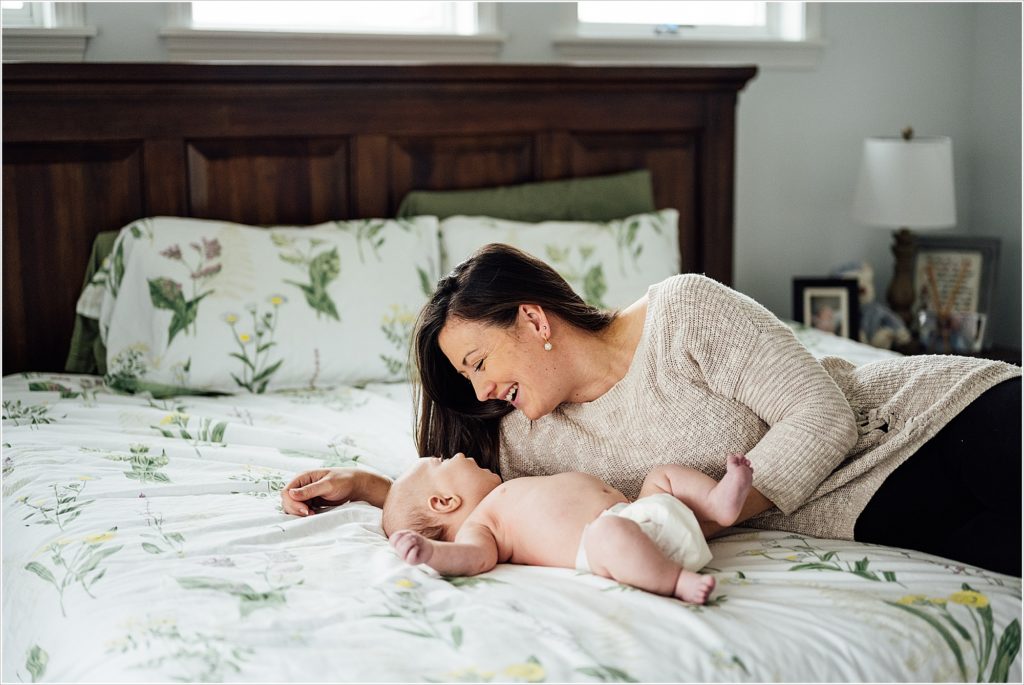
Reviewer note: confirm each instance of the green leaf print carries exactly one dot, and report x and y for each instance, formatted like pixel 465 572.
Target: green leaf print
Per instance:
pixel 1009 646
pixel 36 662
pixel 594 286
pixel 166 293
pixel 117 266
pixel 78 561
pixel 249 598
pixel 66 393
pixel 144 466
pixel 323 269
pixel 607 674
pixel 941 629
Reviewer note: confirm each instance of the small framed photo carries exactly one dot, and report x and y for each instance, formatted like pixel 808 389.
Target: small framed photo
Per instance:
pixel 828 304
pixel 954 275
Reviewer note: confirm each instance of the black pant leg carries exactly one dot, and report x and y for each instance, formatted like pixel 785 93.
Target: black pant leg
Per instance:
pixel 959 495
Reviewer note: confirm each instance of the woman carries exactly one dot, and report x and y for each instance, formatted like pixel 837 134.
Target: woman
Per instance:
pixel 516 370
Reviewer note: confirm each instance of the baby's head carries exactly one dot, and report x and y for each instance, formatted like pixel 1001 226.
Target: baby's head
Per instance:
pixel 434 497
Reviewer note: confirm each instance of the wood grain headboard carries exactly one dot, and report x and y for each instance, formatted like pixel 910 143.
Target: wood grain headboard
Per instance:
pixel 91 147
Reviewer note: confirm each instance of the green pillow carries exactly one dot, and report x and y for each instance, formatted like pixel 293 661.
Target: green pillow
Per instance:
pixel 87 353
pixel 597 198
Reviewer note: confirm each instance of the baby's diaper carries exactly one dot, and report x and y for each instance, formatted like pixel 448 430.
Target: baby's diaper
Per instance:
pixel 669 523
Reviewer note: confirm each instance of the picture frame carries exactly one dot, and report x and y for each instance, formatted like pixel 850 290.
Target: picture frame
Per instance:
pixel 828 304
pixel 962 268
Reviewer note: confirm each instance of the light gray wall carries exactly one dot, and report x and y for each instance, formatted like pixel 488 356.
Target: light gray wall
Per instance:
pixel 946 68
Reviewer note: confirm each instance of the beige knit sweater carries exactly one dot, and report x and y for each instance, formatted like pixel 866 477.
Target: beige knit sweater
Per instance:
pixel 715 373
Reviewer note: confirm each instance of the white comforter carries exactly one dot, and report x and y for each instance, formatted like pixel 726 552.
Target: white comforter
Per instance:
pixel 143 541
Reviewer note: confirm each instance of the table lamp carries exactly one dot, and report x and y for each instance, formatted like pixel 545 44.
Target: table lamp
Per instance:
pixel 905 182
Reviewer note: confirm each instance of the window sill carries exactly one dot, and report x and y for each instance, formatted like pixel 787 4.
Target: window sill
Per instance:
pixel 777 54
pixel 36 44
pixel 188 44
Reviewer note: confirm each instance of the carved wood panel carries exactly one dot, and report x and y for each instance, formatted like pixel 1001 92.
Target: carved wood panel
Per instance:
pixel 269 180
pixel 672 160
pixel 67 193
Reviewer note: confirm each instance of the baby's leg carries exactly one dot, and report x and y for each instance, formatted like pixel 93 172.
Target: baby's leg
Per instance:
pixel 719 501
pixel 618 549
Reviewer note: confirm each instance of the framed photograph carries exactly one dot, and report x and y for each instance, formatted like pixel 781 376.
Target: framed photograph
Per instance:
pixel 954 275
pixel 828 304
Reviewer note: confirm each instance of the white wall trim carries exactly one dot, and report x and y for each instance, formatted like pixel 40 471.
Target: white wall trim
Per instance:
pixel 63 39
pixel 186 44
pixel 804 54
pixel 59 44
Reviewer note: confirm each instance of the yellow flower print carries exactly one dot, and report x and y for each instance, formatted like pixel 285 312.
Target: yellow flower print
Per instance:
pixel 969 598
pixel 406 583
pixel 99 537
pixel 277 300
pixel 86 478
pixel 907 600
pixel 245 337
pixel 529 671
pixel 231 318
pixel 469 675
pixel 792 557
pixel 174 417
pixel 937 601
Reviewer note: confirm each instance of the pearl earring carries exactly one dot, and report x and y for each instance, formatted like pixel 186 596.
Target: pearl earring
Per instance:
pixel 547 346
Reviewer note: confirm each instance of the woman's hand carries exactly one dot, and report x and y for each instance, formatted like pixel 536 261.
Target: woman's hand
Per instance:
pixel 332 487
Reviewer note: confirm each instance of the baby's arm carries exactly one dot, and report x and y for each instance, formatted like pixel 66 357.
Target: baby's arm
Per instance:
pixel 474 551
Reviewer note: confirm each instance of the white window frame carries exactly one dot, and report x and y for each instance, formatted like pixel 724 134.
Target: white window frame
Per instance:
pixel 799 47
pixel 61 35
pixel 187 43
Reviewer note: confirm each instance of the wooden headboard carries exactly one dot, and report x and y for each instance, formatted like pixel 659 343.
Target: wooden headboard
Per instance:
pixel 91 147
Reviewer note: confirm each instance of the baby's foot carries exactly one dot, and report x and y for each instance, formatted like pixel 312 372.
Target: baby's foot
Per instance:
pixel 693 587
pixel 726 499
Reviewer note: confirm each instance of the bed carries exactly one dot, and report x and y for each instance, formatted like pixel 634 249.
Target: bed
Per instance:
pixel 143 539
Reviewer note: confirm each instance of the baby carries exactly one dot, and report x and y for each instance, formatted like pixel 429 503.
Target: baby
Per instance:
pixel 461 520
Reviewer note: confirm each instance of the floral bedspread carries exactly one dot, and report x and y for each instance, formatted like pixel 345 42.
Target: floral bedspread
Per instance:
pixel 143 541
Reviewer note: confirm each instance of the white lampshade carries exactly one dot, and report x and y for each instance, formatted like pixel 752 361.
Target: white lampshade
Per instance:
pixel 906 183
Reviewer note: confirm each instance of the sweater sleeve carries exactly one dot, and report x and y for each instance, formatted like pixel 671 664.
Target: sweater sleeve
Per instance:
pixel 743 351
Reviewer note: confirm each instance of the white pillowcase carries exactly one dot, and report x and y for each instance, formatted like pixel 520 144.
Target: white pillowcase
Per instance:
pixel 217 306
pixel 609 264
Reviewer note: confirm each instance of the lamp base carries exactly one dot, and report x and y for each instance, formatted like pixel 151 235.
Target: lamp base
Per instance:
pixel 901 288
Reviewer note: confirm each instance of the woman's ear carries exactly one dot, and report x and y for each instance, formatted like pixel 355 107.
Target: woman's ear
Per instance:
pixel 533 319
pixel 440 504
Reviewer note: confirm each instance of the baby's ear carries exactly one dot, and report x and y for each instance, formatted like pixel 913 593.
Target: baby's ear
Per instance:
pixel 444 504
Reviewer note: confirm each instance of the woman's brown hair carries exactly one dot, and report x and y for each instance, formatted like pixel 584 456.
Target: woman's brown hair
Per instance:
pixel 487 288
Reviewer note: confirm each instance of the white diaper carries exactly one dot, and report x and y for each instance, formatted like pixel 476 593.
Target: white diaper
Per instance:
pixel 669 523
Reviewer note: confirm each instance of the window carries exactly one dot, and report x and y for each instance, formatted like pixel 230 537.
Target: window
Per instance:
pixel 27 13
pixel 343 17
pixel 44 31
pixel 769 34
pixel 382 31
pixel 735 20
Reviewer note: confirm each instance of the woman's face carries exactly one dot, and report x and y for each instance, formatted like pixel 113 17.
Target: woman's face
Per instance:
pixel 508 364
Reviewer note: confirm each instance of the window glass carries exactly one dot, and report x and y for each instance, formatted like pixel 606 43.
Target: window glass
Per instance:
pixel 344 17
pixel 678 13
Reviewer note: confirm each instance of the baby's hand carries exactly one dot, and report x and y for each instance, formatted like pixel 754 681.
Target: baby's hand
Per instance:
pixel 412 547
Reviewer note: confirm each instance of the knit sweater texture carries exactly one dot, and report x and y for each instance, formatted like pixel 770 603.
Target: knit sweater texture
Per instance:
pixel 716 373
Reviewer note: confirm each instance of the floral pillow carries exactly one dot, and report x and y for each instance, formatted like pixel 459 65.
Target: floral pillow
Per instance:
pixel 609 264
pixel 216 306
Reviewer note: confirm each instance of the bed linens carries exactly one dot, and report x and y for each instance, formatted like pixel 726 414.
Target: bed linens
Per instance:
pixel 143 541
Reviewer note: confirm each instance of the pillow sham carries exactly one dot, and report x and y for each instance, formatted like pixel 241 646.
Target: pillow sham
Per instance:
pixel 594 198
pixel 609 264
pixel 216 306
pixel 86 352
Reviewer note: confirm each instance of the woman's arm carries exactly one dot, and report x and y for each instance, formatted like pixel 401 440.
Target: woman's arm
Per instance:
pixel 746 353
pixel 333 486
